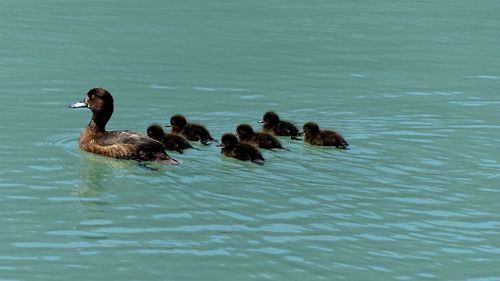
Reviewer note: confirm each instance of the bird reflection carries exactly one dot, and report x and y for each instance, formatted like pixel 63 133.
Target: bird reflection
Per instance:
pixel 95 170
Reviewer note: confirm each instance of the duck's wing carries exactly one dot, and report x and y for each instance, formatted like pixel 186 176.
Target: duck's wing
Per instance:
pixel 141 141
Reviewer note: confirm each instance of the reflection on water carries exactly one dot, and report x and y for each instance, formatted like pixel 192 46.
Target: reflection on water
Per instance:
pixel 94 171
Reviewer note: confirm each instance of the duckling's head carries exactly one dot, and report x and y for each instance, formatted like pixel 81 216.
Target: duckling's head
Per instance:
pixel 156 132
pixel 177 122
pixel 270 118
pixel 228 140
pixel 310 128
pixel 244 131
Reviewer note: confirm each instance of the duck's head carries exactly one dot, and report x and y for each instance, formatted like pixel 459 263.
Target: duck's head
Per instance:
pixel 156 132
pixel 244 131
pixel 100 102
pixel 228 140
pixel 270 118
pixel 97 99
pixel 310 128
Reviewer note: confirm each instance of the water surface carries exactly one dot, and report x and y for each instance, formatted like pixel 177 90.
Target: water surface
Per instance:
pixel 411 85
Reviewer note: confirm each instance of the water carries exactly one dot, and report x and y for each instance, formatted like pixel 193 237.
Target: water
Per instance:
pixel 412 85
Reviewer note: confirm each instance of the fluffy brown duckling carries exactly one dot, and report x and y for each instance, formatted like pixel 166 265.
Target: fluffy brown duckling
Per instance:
pixel 272 124
pixel 241 151
pixel 171 141
pixel 245 133
pixel 192 132
pixel 116 144
pixel 313 135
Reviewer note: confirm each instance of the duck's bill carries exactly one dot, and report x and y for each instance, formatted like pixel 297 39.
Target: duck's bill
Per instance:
pixel 261 121
pixel 168 126
pixel 80 104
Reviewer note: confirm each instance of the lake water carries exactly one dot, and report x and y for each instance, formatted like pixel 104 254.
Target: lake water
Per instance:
pixel 412 85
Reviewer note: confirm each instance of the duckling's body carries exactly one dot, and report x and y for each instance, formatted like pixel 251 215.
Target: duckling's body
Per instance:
pixel 115 144
pixel 313 135
pixel 265 140
pixel 192 132
pixel 273 124
pixel 241 151
pixel 171 141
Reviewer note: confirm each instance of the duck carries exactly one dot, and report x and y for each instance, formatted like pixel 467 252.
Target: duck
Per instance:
pixel 245 133
pixel 272 124
pixel 313 135
pixel 171 141
pixel 192 132
pixel 241 151
pixel 116 144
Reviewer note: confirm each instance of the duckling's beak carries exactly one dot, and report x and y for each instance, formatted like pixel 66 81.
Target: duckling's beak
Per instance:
pixel 168 126
pixel 79 104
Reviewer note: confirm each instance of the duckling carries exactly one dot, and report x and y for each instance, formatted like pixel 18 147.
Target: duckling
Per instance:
pixel 313 135
pixel 273 124
pixel 241 151
pixel 116 144
pixel 245 133
pixel 192 132
pixel 170 141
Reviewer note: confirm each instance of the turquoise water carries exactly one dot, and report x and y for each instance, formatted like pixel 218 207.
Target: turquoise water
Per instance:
pixel 412 85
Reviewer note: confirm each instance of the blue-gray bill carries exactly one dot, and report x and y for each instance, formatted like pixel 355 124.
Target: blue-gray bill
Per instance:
pixel 80 104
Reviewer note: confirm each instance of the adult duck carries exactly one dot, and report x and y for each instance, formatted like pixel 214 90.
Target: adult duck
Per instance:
pixel 115 144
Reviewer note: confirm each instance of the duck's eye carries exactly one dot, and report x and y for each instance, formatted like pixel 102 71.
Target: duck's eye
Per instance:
pixel 92 97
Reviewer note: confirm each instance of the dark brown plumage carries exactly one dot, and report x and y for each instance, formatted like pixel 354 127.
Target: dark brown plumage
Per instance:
pixel 245 133
pixel 241 151
pixel 273 124
pixel 192 132
pixel 313 135
pixel 116 144
pixel 171 141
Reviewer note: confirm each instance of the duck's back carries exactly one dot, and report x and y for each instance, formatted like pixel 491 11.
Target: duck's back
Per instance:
pixel 282 128
pixel 247 152
pixel 332 138
pixel 266 140
pixel 175 142
pixel 195 132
